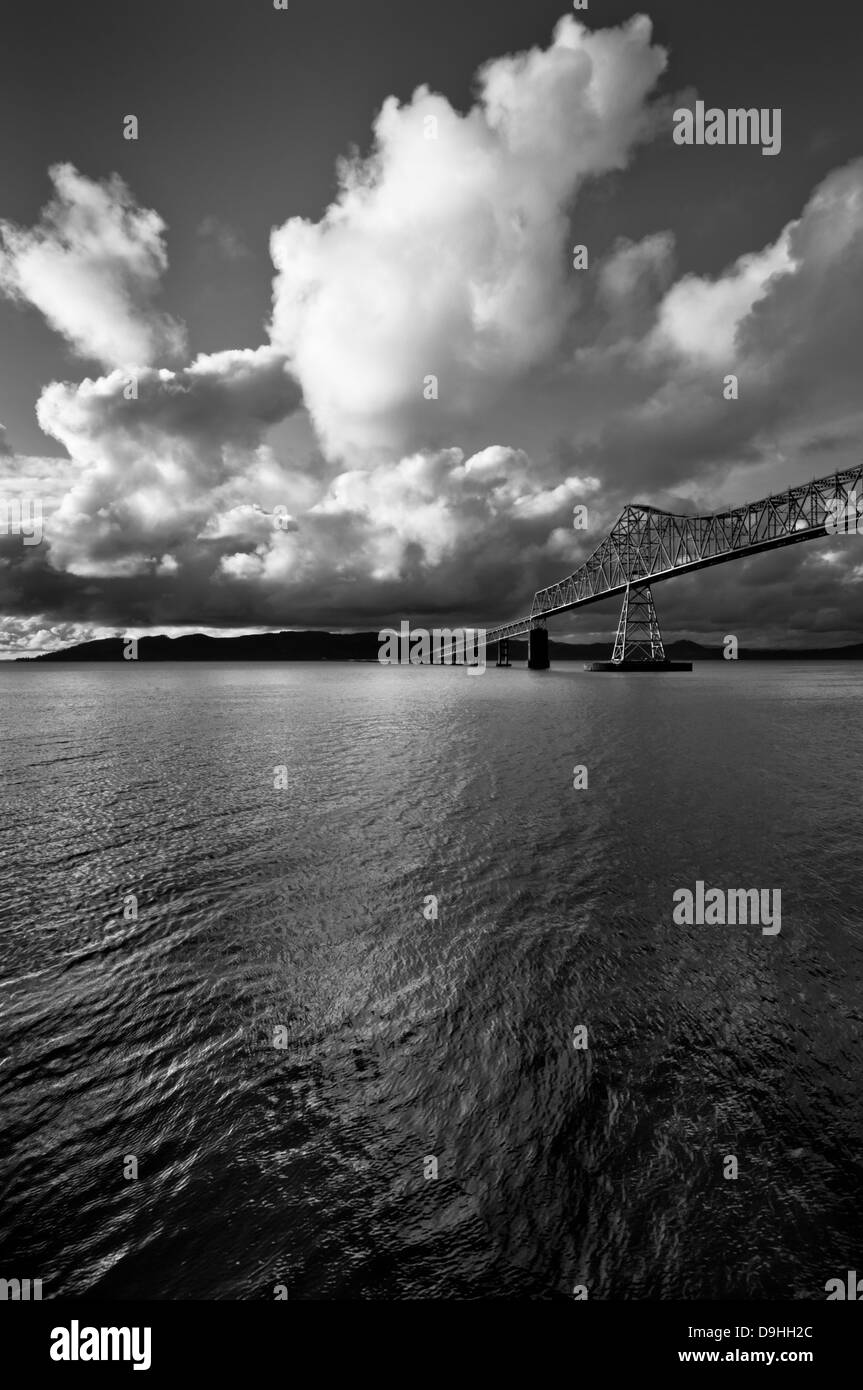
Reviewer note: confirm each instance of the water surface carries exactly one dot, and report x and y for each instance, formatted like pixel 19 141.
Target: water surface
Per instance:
pixel 302 910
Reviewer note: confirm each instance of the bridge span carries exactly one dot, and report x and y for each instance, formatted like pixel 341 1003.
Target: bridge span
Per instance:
pixel 646 546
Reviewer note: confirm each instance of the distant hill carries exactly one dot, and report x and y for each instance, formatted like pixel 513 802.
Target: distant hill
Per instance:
pixel 363 646
pixel 261 646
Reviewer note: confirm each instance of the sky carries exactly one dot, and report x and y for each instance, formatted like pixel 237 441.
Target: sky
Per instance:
pixel 218 339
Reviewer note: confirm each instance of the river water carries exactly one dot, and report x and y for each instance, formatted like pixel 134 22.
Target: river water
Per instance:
pixel 331 1023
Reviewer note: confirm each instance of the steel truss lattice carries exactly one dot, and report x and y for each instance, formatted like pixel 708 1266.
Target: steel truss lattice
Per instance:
pixel 638 636
pixel 646 543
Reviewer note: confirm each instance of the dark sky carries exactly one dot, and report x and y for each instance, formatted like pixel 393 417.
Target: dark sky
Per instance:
pixel 244 113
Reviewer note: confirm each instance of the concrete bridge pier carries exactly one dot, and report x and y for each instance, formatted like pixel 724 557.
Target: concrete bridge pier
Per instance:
pixel 537 651
pixel 503 652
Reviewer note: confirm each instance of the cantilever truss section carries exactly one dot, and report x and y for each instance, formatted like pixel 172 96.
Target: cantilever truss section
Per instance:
pixel 646 543
pixel 638 636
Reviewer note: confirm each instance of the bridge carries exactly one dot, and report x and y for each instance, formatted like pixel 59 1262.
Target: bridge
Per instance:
pixel 647 545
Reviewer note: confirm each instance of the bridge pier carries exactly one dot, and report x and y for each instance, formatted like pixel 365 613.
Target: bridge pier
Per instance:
pixel 638 645
pixel 537 650
pixel 503 652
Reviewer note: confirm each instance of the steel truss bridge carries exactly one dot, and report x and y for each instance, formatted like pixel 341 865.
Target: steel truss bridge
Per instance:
pixel 647 545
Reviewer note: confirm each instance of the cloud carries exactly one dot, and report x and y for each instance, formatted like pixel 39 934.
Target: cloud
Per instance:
pixel 650 404
pixel 176 510
pixel 5 446
pixel 154 467
pixel 446 250
pixel 31 636
pixel 637 271
pixel 92 267
pixel 159 530
pixel 700 318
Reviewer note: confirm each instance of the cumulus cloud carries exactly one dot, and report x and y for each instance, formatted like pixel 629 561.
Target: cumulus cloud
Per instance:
pixel 783 321
pixel 156 464
pixel 446 251
pixel 175 509
pixel 92 266
pixel 700 317
pixel 158 528
pixel 31 636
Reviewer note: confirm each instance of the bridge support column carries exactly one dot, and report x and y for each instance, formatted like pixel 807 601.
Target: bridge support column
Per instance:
pixel 638 645
pixel 503 652
pixel 638 636
pixel 537 651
